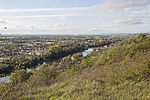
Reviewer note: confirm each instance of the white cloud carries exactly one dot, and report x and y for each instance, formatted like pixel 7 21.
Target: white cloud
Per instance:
pixel 58 27
pixel 63 17
pixel 94 30
pixel 32 27
pixel 44 16
pixel 3 21
pixel 61 25
pixel 41 9
pixel 127 9
pixel 131 20
pixel 125 5
pixel 29 27
pixel 85 19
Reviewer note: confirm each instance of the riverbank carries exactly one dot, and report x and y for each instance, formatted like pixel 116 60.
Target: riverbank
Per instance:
pixel 6 78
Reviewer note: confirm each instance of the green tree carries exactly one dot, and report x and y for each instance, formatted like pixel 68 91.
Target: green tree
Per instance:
pixel 19 76
pixel 77 57
pixel 66 62
pixel 141 36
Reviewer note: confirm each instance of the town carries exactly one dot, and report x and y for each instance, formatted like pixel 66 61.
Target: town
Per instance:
pixel 29 51
pixel 26 46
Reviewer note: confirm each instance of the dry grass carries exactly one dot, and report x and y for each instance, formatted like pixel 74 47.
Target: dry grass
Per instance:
pixel 117 74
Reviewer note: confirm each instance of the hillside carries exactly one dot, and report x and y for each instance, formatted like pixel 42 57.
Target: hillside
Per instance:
pixel 120 72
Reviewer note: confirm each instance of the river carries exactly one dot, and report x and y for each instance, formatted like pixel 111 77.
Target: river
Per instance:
pixel 6 79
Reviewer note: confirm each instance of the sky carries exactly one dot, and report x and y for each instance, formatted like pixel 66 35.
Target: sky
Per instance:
pixel 74 16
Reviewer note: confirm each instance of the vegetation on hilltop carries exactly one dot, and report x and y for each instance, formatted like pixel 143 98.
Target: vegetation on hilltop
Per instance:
pixel 121 72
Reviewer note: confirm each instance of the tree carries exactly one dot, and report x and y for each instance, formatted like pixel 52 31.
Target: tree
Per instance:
pixel 77 57
pixel 19 76
pixel 141 36
pixel 55 64
pixel 66 62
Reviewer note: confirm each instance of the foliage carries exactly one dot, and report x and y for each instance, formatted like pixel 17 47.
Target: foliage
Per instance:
pixel 77 57
pixel 121 72
pixel 19 76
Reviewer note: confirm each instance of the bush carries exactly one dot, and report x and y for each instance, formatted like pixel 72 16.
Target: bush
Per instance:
pixel 19 76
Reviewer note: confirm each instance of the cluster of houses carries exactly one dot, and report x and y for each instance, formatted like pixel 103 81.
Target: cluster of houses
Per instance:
pixel 26 47
pixel 23 49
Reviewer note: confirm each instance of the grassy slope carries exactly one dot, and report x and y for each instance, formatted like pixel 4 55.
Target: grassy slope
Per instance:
pixel 123 72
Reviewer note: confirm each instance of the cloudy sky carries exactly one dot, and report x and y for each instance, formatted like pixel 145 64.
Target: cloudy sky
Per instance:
pixel 74 16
